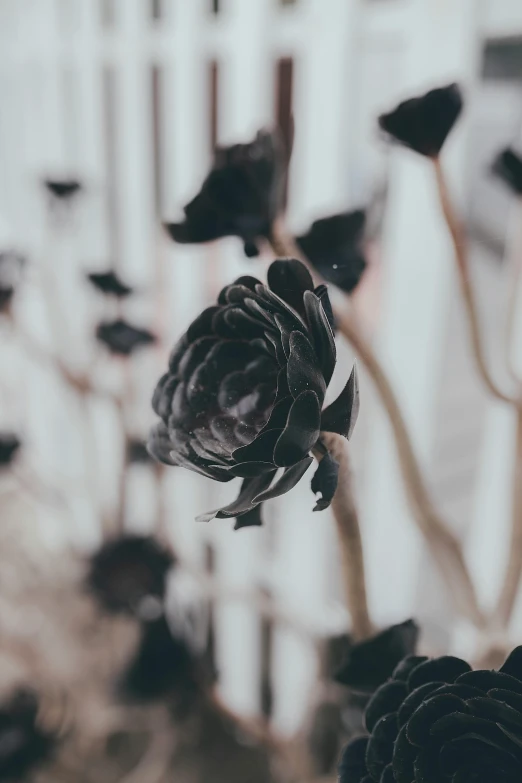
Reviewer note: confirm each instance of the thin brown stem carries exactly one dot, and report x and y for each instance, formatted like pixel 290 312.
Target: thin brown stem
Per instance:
pixel 514 252
pixel 444 545
pixel 461 258
pixel 349 533
pixel 513 575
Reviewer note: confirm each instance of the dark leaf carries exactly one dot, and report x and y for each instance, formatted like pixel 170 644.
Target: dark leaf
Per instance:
pixel 301 431
pixel 109 283
pixel 288 480
pixel 245 501
pixel 341 415
pixel 324 481
pixel 122 338
pixel 303 371
pixel 290 279
pixel 322 334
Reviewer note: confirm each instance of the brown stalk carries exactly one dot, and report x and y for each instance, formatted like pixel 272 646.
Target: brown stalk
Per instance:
pixel 444 545
pixel 349 532
pixel 513 575
pixel 513 292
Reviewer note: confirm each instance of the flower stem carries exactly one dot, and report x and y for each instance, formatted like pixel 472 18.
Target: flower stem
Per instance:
pixel 349 532
pixel 514 253
pixel 444 545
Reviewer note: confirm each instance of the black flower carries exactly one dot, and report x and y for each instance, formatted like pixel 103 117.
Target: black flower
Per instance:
pixel 137 451
pixel 369 663
pixel 129 575
pixel 63 189
pixel 333 245
pixel 240 197
pixel 438 721
pixel 9 446
pixel 423 124
pixel 508 166
pixel 109 283
pixel 122 338
pixel 23 745
pixel 245 387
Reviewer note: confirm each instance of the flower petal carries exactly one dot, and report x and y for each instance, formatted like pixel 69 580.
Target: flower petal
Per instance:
pixel 325 481
pixel 303 369
pixel 251 469
pixel 288 480
pixel 322 335
pixel 289 279
pixel 251 518
pixel 301 431
pixel 341 415
pixel 250 487
pixel 260 450
pixel 322 293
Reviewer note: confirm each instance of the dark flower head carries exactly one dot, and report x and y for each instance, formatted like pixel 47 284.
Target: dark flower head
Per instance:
pixel 333 245
pixel 63 189
pixel 129 575
pixel 508 166
pixel 163 666
pixel 137 451
pixel 440 721
pixel 245 387
pixel 240 197
pixel 23 745
pixel 109 283
pixel 369 663
pixel 423 124
pixel 11 264
pixel 122 338
pixel 9 446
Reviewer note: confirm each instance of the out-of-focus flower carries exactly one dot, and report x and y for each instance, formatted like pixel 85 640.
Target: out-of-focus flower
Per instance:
pixel 9 446
pixel 440 721
pixel 508 166
pixel 11 264
pixel 424 123
pixel 23 745
pixel 245 387
pixel 240 197
pixel 137 451
pixel 122 338
pixel 63 189
pixel 369 663
pixel 163 666
pixel 129 575
pixel 109 283
pixel 333 245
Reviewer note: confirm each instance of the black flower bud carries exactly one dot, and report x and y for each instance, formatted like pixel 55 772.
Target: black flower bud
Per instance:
pixel 245 387
pixel 240 197
pixel 129 575
pixel 423 123
pixel 334 246
pixel 440 721
pixel 508 166
pixel 121 338
pixel 109 283
pixel 23 744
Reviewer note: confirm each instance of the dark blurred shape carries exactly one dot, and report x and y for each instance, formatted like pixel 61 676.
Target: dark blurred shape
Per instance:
pixel 502 60
pixel 334 246
pixel 240 197
pixel 6 296
pixel 424 123
pixel 163 667
pixel 325 738
pixel 63 189
pixel 122 338
pixel 508 167
pixel 23 745
pixel 9 447
pixel 213 78
pixel 284 111
pixel 137 452
pixel 215 6
pixel 129 575
pixel 11 264
pixel 369 663
pixel 109 283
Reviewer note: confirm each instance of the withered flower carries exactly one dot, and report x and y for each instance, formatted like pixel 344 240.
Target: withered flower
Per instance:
pixel 122 338
pixel 241 196
pixel 129 575
pixel 508 166
pixel 424 123
pixel 440 721
pixel 245 387
pixel 334 247
pixel 109 283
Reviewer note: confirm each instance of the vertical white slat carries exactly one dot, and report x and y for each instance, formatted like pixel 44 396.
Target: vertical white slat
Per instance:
pixel 244 107
pixel 417 258
pixel 304 539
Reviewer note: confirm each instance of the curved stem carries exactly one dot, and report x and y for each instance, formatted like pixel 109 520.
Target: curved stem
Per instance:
pixel 461 258
pixel 444 545
pixel 349 532
pixel 513 575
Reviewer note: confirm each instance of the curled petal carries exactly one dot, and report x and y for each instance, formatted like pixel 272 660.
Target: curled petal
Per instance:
pixel 245 501
pixel 288 480
pixel 289 279
pixel 325 481
pixel 322 335
pixel 301 431
pixel 303 368
pixel 261 449
pixel 251 518
pixel 342 414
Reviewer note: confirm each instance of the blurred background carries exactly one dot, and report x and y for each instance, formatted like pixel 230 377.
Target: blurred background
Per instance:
pixel 130 97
